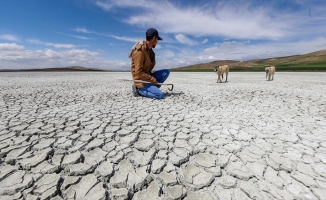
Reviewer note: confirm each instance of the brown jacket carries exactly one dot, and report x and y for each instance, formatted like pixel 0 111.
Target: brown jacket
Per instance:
pixel 142 64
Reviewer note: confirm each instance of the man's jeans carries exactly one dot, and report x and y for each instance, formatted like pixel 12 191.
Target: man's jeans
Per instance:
pixel 153 91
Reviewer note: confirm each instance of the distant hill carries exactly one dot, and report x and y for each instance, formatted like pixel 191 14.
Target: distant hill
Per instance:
pixel 315 61
pixel 58 69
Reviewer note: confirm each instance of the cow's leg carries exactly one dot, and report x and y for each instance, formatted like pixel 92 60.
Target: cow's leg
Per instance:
pixel 266 75
pixel 226 76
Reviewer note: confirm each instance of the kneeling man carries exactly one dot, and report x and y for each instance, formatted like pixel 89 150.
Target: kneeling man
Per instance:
pixel 142 64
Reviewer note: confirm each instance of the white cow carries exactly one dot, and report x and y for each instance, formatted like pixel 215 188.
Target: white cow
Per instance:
pixel 220 70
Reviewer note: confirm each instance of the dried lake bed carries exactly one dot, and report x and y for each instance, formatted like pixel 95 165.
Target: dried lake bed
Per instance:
pixel 83 135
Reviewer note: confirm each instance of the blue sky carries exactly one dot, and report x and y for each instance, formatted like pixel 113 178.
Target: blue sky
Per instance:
pixel 100 33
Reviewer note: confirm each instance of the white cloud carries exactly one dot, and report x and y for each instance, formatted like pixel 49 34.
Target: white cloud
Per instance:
pixel 51 54
pixel 236 21
pixel 228 19
pixel 8 37
pixel 34 41
pixel 205 58
pixel 80 37
pixel 104 5
pixel 204 41
pixel 67 46
pixel 165 54
pixel 200 57
pixel 82 30
pixel 123 38
pixel 11 47
pixel 158 46
pixel 76 36
pixel 14 56
pixel 107 5
pixel 80 54
pixel 56 45
pixel 184 40
pixel 227 46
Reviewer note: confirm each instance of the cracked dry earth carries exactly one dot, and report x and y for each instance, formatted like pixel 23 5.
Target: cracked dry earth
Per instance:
pixel 84 136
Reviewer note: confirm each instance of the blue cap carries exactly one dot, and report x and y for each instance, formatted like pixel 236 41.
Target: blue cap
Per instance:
pixel 153 32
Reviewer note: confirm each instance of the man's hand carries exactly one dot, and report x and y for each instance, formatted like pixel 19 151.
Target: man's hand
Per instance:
pixel 154 82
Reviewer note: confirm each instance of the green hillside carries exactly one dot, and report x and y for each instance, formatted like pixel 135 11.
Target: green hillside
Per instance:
pixel 315 61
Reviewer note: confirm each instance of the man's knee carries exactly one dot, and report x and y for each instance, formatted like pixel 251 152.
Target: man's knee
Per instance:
pixel 166 72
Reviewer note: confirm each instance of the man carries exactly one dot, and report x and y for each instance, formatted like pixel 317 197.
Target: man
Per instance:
pixel 142 64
